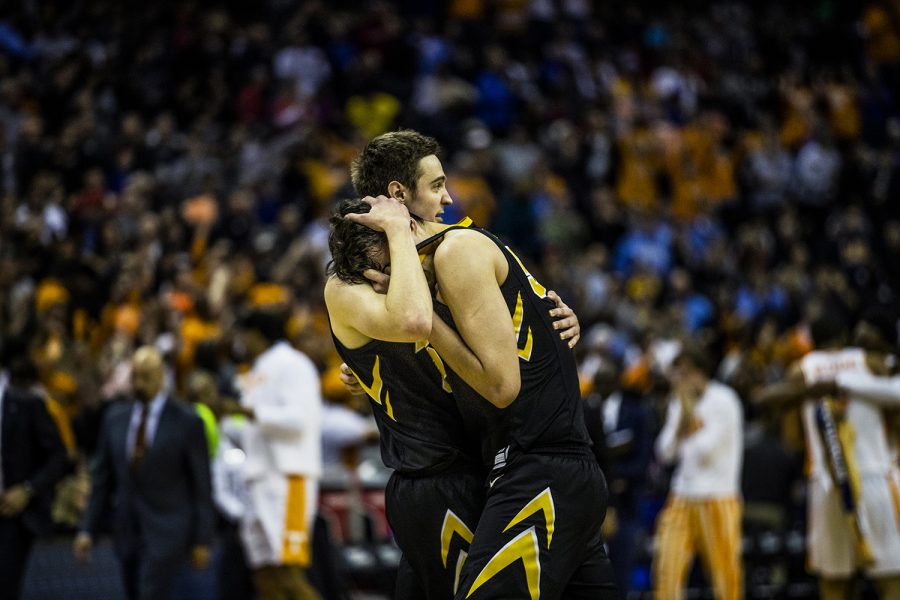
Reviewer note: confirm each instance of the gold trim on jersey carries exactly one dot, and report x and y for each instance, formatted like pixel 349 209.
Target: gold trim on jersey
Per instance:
pixel 542 502
pixel 427 245
pixel 374 391
pixel 460 561
pixel 517 318
pixel 453 525
pixel 438 363
pixel 524 546
pixel 536 287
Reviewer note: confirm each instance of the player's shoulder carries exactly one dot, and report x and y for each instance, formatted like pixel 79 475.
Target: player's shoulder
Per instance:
pixel 283 353
pixel 335 287
pixel 340 294
pixel 332 288
pixel 724 393
pixel 795 370
pixel 463 243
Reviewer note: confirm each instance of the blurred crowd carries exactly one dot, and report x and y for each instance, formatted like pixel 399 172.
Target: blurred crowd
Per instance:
pixel 721 171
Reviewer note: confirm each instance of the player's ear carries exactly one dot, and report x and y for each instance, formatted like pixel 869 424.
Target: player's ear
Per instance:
pixel 397 191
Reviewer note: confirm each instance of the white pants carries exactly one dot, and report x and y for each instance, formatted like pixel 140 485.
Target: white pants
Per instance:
pixel 277 529
pixel 831 549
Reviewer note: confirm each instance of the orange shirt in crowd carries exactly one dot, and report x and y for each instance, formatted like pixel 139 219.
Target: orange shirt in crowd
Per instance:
pixel 636 185
pixel 474 196
pixel 880 30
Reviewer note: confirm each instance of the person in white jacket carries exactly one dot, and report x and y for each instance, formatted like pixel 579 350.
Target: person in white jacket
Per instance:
pixel 282 400
pixel 703 435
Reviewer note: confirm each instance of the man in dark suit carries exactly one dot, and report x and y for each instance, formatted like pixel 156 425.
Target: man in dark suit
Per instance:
pixel 621 426
pixel 152 453
pixel 33 460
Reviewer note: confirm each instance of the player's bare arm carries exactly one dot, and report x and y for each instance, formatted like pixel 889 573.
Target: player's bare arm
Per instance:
pixel 403 314
pixel 566 320
pixel 470 269
pixel 566 323
pixel 786 394
pixel 878 363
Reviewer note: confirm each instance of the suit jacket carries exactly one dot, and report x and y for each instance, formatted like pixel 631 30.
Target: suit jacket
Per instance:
pixel 32 451
pixel 164 507
pixel 625 451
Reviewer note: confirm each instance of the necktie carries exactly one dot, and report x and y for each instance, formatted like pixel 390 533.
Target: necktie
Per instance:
pixel 140 440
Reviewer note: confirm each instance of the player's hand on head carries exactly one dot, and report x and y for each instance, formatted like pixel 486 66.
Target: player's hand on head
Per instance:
pixel 385 213
pixel 566 320
pixel 351 383
pixel 380 280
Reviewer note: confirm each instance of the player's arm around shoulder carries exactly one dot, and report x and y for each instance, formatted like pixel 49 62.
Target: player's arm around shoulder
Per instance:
pixel 359 314
pixel 469 269
pixel 875 387
pixel 786 394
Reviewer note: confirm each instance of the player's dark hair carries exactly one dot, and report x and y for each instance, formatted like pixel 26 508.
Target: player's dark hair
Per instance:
pixel 352 244
pixel 392 156
pixel 15 356
pixel 884 321
pixel 698 357
pixel 270 325
pixel 828 329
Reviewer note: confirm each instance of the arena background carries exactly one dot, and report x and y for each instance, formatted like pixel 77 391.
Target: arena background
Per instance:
pixel 719 171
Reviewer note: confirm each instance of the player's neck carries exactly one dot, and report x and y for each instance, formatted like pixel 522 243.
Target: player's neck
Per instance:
pixel 426 229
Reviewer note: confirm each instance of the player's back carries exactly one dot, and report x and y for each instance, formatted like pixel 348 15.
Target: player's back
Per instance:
pixel 547 414
pixel 870 447
pixel 421 429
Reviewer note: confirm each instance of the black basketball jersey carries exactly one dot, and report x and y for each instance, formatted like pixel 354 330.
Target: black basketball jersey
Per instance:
pixel 421 427
pixel 547 414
